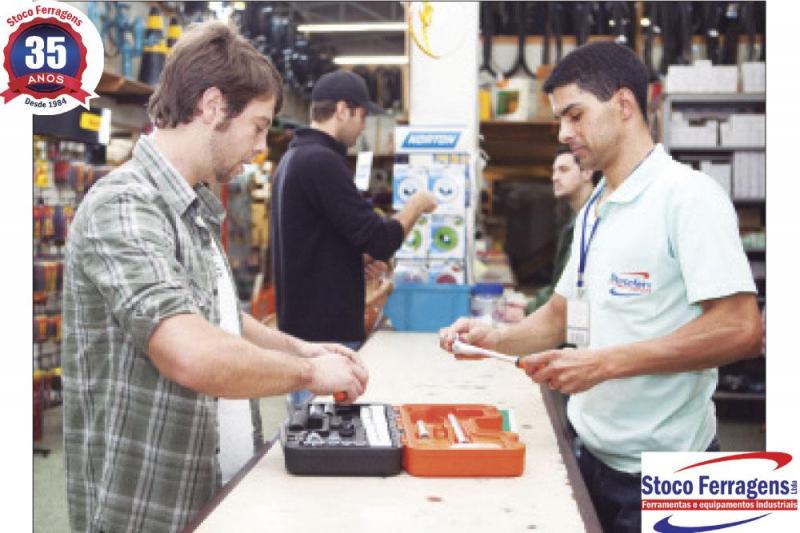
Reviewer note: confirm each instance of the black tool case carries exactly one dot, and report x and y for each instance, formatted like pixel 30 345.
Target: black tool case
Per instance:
pixel 331 439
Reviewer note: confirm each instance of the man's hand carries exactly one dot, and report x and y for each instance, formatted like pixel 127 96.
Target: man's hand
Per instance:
pixel 317 349
pixel 569 370
pixel 333 372
pixel 373 268
pixel 471 331
pixel 424 201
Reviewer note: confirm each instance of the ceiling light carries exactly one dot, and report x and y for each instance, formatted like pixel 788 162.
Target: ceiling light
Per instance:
pixel 371 60
pixel 351 27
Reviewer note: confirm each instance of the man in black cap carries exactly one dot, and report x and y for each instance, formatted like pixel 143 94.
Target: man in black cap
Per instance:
pixel 323 232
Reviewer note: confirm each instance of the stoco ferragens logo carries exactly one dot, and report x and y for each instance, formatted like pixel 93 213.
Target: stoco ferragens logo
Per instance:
pixel 52 58
pixel 698 492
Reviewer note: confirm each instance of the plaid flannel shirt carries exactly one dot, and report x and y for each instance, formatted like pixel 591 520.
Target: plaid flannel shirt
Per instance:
pixel 140 450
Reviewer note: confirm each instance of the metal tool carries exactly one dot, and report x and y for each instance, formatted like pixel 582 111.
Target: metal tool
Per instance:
pixel 461 437
pixel 422 429
pixel 467 349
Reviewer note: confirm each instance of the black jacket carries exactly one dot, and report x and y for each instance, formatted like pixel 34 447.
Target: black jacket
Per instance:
pixel 320 227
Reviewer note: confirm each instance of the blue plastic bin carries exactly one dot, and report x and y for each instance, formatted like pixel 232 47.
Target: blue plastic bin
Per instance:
pixel 426 306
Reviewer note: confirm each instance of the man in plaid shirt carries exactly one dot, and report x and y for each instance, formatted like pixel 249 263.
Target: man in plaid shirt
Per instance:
pixel 158 360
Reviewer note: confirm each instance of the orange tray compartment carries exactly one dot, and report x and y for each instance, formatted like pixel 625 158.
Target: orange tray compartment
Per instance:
pixel 439 455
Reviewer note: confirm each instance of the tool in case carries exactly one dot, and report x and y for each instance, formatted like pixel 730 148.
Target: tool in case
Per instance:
pixel 380 440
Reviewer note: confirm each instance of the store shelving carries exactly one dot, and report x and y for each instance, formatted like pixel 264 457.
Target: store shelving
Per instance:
pixel 748 376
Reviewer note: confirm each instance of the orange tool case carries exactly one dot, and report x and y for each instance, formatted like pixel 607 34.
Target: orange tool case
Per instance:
pixel 446 440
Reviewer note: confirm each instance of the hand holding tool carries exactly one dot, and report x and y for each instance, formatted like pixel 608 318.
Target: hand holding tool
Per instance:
pixel 463 348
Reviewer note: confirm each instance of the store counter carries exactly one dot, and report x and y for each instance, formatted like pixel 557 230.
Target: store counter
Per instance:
pixel 411 368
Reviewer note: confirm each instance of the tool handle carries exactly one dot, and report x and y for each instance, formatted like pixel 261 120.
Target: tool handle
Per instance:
pixel 340 396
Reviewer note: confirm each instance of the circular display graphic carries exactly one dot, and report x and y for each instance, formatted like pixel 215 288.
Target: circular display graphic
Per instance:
pixel 409 187
pixel 445 238
pixel 445 189
pixel 414 241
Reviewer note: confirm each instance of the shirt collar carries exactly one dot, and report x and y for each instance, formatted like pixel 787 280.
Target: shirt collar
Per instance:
pixel 639 179
pixel 313 135
pixel 175 189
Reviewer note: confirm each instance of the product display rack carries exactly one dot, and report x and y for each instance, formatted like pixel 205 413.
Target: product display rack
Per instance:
pixel 61 177
pixel 743 381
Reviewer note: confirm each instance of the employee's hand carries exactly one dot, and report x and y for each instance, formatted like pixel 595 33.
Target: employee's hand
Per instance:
pixel 373 268
pixel 424 201
pixel 316 349
pixel 333 372
pixel 569 370
pixel 471 331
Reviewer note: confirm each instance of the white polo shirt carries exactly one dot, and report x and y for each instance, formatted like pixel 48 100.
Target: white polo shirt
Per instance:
pixel 667 239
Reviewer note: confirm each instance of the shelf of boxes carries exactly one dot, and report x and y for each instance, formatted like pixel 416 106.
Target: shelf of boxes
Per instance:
pixel 723 135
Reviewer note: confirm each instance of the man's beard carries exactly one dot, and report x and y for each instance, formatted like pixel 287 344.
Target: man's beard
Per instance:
pixel 222 175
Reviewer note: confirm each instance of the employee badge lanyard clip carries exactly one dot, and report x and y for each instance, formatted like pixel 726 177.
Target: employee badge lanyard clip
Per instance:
pixel 578 308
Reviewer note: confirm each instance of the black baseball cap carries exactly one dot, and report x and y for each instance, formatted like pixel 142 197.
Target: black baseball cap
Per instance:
pixel 344 85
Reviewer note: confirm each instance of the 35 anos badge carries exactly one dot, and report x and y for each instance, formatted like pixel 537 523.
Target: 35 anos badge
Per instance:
pixel 52 58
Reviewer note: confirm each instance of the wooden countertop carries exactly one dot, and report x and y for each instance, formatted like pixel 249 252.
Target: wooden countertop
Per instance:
pixel 411 368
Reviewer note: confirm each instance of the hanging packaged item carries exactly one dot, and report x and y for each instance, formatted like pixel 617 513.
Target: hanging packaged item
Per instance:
pixel 54 328
pixel 40 324
pixel 466 440
pixel 39 283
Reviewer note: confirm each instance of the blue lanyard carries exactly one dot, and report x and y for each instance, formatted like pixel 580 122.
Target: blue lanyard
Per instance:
pixel 585 245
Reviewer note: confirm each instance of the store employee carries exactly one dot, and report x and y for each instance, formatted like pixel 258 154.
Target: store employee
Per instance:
pixel 657 292
pixel 322 227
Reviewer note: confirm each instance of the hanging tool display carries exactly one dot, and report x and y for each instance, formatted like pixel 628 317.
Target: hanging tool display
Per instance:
pixel 711 15
pixel 651 28
pixel 122 35
pixel 154 52
pixel 676 33
pixel 733 26
pixel 583 20
pixel 747 17
pixel 520 16
pixel 487 35
pixel 620 22
pixel 389 82
pixel 174 32
pixel 553 25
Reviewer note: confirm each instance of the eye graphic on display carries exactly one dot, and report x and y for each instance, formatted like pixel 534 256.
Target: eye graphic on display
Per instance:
pixel 415 239
pixel 445 189
pixel 445 238
pixel 409 187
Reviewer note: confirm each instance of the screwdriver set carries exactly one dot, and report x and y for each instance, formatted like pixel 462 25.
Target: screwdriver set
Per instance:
pixel 378 439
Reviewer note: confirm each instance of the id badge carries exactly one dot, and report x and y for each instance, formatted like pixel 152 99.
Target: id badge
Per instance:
pixel 578 322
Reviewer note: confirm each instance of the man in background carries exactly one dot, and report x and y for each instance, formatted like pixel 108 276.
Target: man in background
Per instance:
pixel 322 227
pixel 575 185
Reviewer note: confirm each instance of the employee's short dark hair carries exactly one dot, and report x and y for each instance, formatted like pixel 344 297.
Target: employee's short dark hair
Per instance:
pixel 322 110
pixel 602 68
pixel 564 149
pixel 597 175
pixel 212 54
